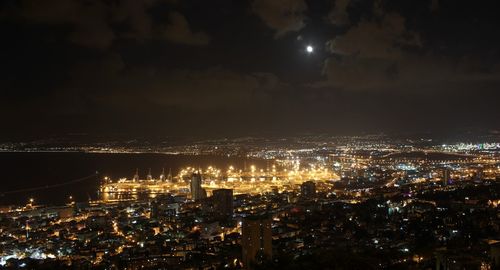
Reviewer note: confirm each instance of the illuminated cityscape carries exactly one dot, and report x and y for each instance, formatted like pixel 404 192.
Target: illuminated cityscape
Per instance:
pixel 393 205
pixel 252 181
pixel 249 134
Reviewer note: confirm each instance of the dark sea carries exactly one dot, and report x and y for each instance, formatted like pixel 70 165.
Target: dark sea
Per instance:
pixel 19 171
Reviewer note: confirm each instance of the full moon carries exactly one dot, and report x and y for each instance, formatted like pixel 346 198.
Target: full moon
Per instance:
pixel 309 49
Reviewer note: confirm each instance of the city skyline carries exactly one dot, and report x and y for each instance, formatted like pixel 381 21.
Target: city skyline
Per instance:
pixel 249 134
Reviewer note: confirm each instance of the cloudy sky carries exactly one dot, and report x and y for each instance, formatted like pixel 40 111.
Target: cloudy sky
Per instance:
pixel 224 68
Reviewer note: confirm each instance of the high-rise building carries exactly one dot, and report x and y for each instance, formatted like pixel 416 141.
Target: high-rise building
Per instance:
pixel 155 209
pixel 223 202
pixel 197 193
pixel 308 189
pixel 446 176
pixel 495 255
pixel 256 239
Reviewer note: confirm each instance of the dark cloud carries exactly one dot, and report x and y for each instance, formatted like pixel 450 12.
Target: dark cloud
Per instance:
pixel 197 90
pixel 97 24
pixel 370 39
pixel 370 54
pixel 178 30
pixel 382 53
pixel 136 15
pixel 434 6
pixel 87 20
pixel 109 83
pixel 283 16
pixel 339 14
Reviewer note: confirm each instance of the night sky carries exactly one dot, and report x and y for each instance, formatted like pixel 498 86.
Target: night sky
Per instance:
pixel 232 68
